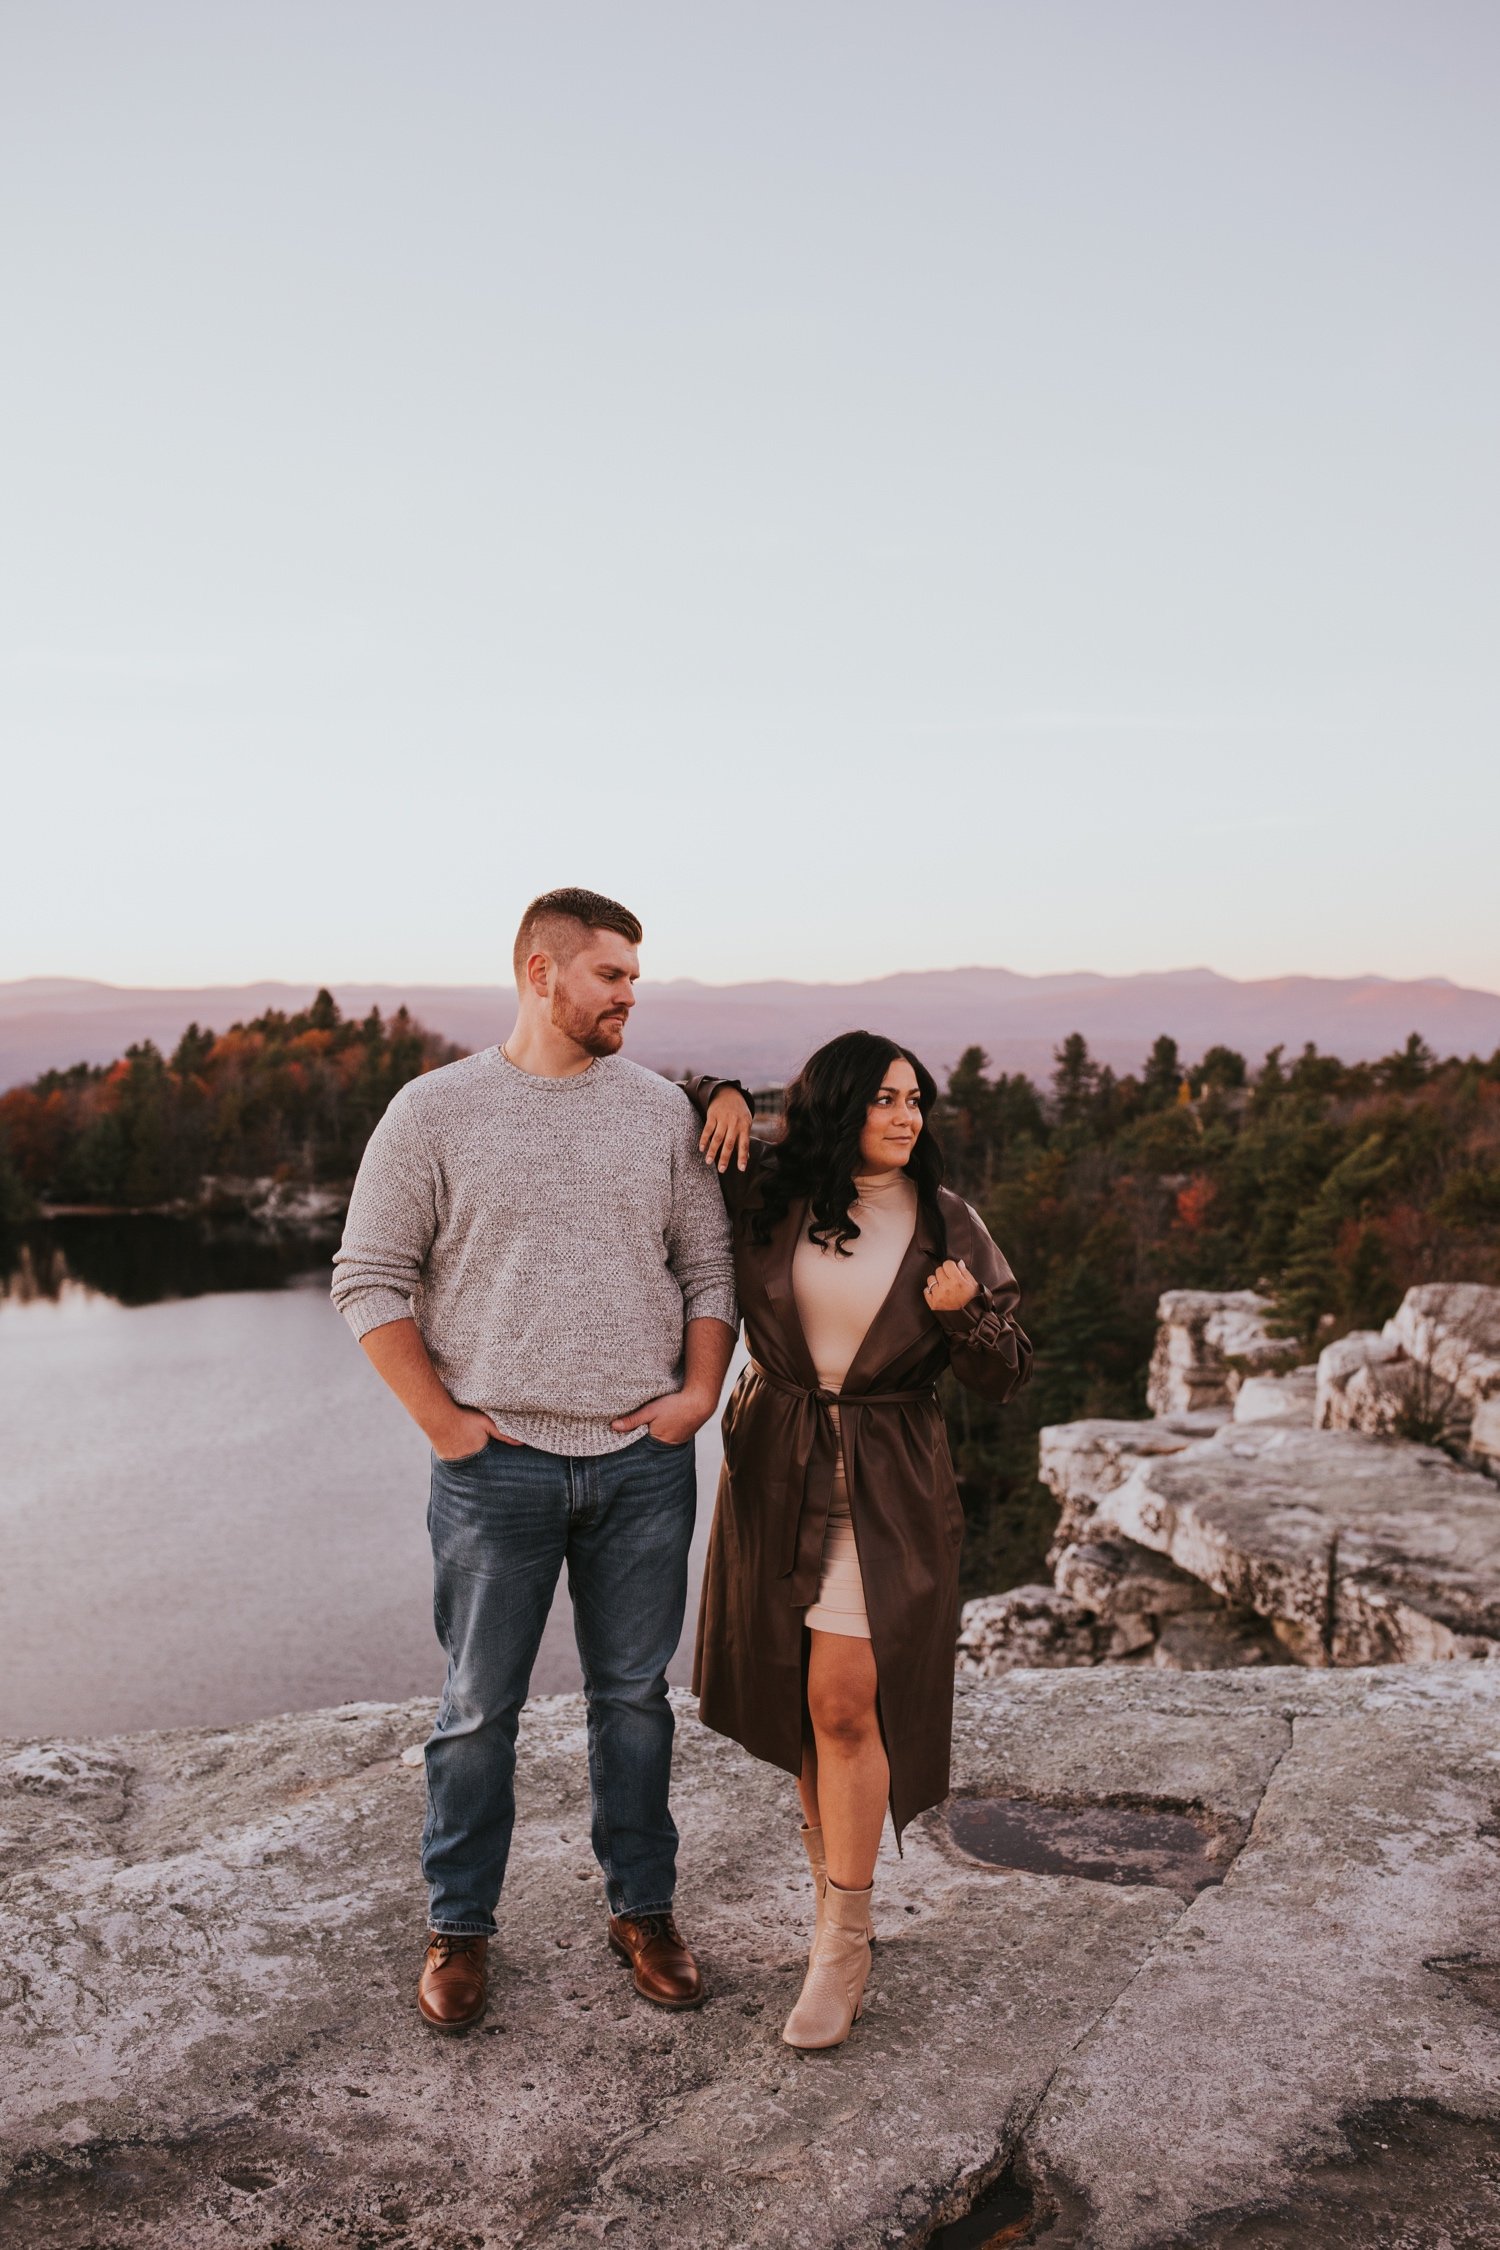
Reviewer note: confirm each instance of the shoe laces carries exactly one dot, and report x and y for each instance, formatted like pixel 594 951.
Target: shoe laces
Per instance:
pixel 445 1943
pixel 657 1926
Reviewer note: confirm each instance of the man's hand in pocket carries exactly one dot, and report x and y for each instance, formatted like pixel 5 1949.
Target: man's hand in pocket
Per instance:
pixel 674 1419
pixel 466 1433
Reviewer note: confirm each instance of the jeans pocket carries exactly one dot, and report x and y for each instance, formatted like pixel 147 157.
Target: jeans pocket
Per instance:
pixel 464 1460
pixel 663 1447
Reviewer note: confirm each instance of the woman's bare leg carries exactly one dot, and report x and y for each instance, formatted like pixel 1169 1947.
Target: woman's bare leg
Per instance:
pixel 807 1783
pixel 852 1780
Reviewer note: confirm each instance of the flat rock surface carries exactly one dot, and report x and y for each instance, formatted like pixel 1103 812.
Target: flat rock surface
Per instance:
pixel 1369 1550
pixel 211 1942
pixel 1291 1398
pixel 1310 2103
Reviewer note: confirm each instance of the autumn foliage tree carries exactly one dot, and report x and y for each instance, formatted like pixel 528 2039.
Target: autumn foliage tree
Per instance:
pixel 287 1097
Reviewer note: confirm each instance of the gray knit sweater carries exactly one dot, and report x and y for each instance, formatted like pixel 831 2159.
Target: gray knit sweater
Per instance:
pixel 550 1236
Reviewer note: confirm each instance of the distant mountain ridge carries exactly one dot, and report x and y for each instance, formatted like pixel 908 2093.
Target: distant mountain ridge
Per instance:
pixel 763 1030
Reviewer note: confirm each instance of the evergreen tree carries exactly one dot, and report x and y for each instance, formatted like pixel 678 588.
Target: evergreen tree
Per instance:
pixel 1222 1068
pixel 1311 1289
pixel 1111 1103
pixel 190 1056
pixel 1075 1079
pixel 1018 1119
pixel 143 1100
pixel 1270 1079
pixel 16 1199
pixel 1470 1201
pixel 1369 1293
pixel 1162 1075
pixel 969 1121
pixel 1315 1074
pixel 1409 1068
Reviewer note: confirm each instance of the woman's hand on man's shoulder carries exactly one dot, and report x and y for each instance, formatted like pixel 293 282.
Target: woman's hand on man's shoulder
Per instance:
pixel 725 1138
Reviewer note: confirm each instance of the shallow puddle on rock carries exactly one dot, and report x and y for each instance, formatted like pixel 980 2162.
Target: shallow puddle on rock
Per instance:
pixel 1102 1843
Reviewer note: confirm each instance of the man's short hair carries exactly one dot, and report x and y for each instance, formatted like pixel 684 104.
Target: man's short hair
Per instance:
pixel 559 923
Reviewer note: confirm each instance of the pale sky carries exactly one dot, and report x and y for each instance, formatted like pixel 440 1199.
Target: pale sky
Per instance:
pixel 872 486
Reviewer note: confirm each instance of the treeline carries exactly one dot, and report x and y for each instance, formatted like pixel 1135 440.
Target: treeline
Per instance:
pixel 287 1097
pixel 1332 1187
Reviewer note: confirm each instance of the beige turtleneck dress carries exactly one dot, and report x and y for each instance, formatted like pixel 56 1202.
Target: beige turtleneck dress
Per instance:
pixel 837 1298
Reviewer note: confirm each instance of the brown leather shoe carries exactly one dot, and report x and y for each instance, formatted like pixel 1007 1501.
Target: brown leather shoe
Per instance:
pixel 451 1992
pixel 665 1971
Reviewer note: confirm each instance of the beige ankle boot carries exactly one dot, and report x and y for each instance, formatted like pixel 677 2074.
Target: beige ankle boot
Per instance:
pixel 812 1844
pixel 833 1991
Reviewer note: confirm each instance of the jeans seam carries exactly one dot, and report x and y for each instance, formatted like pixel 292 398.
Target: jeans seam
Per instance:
pixel 596 1779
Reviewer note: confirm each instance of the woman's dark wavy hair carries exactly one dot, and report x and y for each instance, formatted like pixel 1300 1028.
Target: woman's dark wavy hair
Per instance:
pixel 817 1156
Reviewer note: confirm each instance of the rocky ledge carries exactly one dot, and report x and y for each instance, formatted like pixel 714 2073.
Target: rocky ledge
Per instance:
pixel 1233 1979
pixel 1278 1516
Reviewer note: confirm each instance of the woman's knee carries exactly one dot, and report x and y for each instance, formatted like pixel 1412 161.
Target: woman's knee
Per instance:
pixel 844 1717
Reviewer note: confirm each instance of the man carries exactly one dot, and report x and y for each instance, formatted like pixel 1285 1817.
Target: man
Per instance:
pixel 537 1262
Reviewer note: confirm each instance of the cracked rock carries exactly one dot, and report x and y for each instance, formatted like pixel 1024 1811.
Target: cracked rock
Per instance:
pixel 1207 1342
pixel 1026 1627
pixel 1117 1578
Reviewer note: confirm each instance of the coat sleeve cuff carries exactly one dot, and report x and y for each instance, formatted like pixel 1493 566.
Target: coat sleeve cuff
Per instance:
pixel 701 1091
pixel 968 1324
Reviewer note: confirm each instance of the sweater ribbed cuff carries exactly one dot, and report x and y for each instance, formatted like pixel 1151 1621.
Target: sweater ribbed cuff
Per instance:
pixel 374 1308
pixel 715 1301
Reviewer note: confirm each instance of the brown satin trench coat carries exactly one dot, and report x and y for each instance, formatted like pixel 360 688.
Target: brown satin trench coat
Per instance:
pixel 765 1549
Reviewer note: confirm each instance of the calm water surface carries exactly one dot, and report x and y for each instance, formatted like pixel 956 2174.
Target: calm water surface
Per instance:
pixel 210 1507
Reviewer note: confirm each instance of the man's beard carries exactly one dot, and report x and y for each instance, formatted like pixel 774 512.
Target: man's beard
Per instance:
pixel 595 1033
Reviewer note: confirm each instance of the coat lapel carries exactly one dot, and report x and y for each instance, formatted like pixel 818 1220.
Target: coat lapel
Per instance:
pixel 776 1280
pixel 903 1319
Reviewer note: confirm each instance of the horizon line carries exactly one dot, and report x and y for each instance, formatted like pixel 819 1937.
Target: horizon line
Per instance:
pixel 1199 970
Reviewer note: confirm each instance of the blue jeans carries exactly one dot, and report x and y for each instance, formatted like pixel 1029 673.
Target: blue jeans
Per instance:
pixel 502 1523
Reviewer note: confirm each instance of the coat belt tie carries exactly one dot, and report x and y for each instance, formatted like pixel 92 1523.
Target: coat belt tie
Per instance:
pixel 806 1524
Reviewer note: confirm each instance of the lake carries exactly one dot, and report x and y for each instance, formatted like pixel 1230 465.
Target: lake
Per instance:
pixel 211 1509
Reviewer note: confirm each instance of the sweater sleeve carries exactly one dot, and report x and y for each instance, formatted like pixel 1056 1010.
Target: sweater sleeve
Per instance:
pixel 699 1250
pixel 988 1349
pixel 391 1224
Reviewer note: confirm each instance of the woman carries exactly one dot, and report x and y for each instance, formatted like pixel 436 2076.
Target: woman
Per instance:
pixel 830 1594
